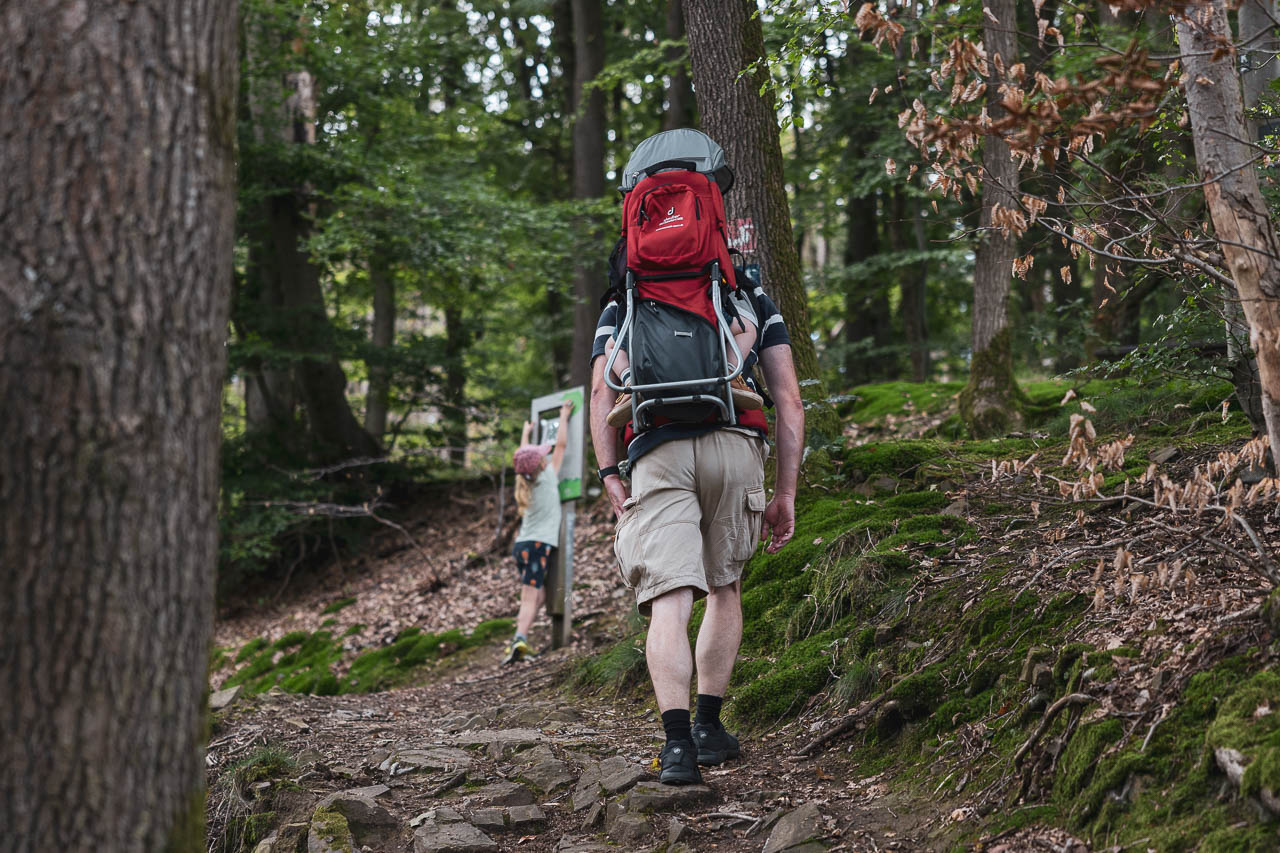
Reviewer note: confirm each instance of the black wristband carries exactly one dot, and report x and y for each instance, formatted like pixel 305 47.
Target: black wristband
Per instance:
pixel 605 472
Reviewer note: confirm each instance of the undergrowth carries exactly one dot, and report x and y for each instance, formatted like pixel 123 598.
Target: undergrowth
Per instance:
pixel 301 662
pixel 868 599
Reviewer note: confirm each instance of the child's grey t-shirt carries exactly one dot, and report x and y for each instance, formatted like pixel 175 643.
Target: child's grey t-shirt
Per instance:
pixel 542 518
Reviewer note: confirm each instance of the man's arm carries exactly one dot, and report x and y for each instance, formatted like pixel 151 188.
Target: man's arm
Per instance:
pixel 780 375
pixel 604 438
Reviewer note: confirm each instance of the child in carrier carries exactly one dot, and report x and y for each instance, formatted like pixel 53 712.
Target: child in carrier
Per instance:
pixel 672 256
pixel 744 327
pixel 538 501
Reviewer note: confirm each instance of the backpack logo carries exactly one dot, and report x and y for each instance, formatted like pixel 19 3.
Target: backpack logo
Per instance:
pixel 671 212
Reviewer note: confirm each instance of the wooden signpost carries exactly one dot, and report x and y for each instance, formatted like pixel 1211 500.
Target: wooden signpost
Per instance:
pixel 545 415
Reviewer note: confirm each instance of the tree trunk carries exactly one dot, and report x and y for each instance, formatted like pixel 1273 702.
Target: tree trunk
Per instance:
pixel 679 111
pixel 117 223
pixel 866 304
pixel 725 38
pixel 588 174
pixel 1259 47
pixel 283 302
pixel 915 295
pixel 1240 217
pixel 990 401
pixel 455 385
pixel 384 334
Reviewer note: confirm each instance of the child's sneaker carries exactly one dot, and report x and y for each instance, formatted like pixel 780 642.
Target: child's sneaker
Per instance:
pixel 620 413
pixel 517 649
pixel 744 398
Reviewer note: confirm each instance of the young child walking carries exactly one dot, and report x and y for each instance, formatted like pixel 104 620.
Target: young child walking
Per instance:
pixel 538 501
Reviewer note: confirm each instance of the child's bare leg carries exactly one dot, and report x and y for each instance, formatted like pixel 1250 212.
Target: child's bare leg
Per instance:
pixel 620 365
pixel 745 335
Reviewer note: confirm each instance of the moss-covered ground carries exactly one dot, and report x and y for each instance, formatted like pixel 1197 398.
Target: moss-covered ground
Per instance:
pixel 887 589
pixel 301 662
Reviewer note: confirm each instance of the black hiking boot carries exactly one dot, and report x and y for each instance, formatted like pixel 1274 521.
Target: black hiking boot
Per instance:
pixel 715 745
pixel 679 764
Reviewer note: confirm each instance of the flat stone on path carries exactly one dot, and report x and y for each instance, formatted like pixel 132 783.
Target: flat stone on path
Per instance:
pixel 489 820
pixel 527 819
pixel 548 776
pixel 569 844
pixel 427 760
pixel 359 809
pixel 451 837
pixel 504 794
pixel 224 698
pixel 484 737
pixel 613 775
pixel 794 829
pixel 617 774
pixel 630 828
pixel 655 796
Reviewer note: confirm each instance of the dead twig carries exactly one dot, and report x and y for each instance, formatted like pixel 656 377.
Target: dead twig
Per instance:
pixel 1070 699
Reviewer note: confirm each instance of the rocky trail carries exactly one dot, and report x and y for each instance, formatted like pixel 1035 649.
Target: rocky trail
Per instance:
pixel 1023 662
pixel 482 763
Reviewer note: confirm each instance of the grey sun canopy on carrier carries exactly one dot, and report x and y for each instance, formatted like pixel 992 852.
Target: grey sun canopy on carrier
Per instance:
pixel 681 145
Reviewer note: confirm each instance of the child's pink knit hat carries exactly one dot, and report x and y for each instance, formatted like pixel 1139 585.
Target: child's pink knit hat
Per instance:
pixel 529 457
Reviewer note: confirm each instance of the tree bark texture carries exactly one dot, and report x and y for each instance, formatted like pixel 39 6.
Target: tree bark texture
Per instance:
pixel 588 174
pixel 989 402
pixel 725 39
pixel 1240 217
pixel 679 111
pixel 384 335
pixel 116 234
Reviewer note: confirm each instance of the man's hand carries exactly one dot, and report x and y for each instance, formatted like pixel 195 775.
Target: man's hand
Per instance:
pixel 618 494
pixel 779 522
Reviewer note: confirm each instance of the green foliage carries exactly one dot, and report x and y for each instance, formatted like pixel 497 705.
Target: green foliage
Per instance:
pixel 249 809
pixel 618 669
pixel 339 605
pixel 304 663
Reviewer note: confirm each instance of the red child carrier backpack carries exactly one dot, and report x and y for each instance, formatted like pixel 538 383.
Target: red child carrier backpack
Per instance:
pixel 671 273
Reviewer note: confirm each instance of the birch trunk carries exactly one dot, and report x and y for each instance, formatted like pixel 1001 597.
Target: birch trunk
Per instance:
pixel 1240 217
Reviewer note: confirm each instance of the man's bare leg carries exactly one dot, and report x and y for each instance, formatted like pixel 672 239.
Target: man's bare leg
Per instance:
pixel 667 649
pixel 718 639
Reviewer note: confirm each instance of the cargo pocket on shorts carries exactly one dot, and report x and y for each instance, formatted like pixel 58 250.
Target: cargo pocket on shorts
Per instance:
pixel 752 517
pixel 626 546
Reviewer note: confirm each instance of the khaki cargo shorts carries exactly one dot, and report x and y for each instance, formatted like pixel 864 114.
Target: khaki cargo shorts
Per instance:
pixel 695 512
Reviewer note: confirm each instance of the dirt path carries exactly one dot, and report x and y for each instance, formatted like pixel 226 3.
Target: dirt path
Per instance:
pixel 504 760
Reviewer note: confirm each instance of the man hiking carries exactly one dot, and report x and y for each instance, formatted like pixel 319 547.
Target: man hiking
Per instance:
pixel 692 518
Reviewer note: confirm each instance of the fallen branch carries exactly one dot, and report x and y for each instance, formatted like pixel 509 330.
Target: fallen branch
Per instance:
pixel 1049 715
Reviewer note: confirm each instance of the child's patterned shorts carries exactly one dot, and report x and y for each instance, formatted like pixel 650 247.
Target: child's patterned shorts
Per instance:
pixel 532 559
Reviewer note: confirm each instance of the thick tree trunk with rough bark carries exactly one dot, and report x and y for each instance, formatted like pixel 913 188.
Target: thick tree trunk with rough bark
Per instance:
pixel 116 234
pixel 588 174
pixel 725 37
pixel 1240 217
pixel 989 403
pixel 382 338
